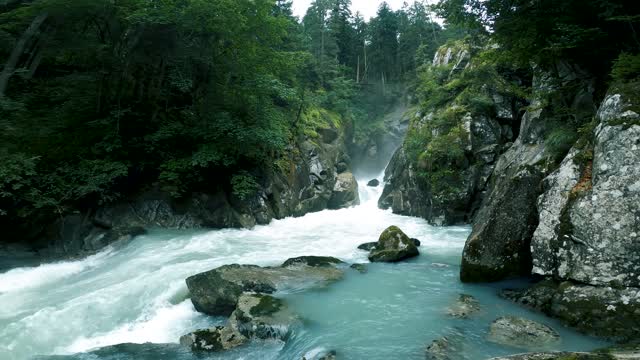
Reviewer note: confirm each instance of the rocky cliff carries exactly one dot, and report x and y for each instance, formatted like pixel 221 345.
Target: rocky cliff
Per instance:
pixel 315 176
pixel 442 170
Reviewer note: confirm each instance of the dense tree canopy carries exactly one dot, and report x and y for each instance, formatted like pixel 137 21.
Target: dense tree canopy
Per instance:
pixel 104 98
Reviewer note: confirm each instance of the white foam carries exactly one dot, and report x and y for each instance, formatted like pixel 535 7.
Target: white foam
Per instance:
pixel 25 278
pixel 165 325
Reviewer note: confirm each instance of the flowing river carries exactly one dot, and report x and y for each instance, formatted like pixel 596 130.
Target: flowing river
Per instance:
pixel 136 294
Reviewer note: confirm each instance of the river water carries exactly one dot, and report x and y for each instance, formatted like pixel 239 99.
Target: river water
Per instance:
pixel 136 294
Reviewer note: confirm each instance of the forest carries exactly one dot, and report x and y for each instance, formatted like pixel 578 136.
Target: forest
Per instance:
pixel 101 99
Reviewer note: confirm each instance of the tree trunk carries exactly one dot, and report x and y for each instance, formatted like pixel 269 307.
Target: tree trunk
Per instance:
pixel 10 67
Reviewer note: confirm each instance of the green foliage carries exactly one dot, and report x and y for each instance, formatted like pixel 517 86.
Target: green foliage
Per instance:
pixel 626 68
pixel 244 185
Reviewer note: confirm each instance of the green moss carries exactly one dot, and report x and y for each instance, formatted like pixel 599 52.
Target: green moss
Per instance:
pixel 268 305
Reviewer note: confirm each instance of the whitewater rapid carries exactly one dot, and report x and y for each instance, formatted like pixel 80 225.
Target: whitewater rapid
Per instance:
pixel 136 293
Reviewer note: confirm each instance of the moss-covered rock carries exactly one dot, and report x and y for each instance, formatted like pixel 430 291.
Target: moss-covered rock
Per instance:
pixel 212 294
pixel 215 339
pixel 464 307
pixel 393 246
pixel 313 261
pixel 263 317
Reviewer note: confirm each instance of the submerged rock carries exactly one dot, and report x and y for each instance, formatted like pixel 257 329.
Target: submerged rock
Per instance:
pixel 464 307
pixel 445 348
pixel 393 246
pixel 522 333
pixel 216 292
pixel 215 339
pixel 374 183
pixel 361 268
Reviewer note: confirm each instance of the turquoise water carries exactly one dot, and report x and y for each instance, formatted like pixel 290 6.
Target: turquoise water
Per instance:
pixel 136 294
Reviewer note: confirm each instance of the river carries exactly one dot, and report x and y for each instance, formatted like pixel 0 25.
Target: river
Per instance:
pixel 136 294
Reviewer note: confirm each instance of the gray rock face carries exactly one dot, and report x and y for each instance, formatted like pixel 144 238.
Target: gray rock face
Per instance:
pixel 521 333
pixel 374 183
pixel 499 245
pixel 453 200
pixel 393 246
pixel 591 212
pixel 345 192
pixel 600 311
pixel 216 292
pixel 464 307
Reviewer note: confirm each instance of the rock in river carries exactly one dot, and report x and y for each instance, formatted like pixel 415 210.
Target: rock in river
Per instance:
pixel 522 333
pixel 219 338
pixel 216 292
pixel 374 183
pixel 464 307
pixel 393 246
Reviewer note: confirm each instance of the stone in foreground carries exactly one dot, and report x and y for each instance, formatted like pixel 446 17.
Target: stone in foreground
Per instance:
pixel 216 292
pixel 521 333
pixel 393 246
pixel 445 348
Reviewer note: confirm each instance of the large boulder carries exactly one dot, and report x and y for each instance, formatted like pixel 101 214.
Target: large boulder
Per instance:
pixel 557 356
pixel 216 292
pixel 345 192
pixel 393 246
pixel 212 294
pixel 522 333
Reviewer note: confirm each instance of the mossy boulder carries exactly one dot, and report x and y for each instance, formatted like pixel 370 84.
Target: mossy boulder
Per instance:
pixel 216 292
pixel 361 268
pixel 521 333
pixel 215 339
pixel 368 246
pixel 263 317
pixel 393 246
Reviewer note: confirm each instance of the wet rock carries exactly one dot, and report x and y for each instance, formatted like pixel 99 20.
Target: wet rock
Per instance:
pixel 215 339
pixel 374 183
pixel 368 246
pixel 521 333
pixel 216 292
pixel 313 261
pixel 464 307
pixel 361 268
pixel 345 192
pixel 393 246
pixel 331 355
pixel 212 294
pixel 262 316
pixel 416 242
pixel 322 355
pixel 445 348
pixel 601 311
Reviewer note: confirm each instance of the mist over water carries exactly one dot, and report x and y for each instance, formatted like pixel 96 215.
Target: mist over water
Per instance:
pixel 137 294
